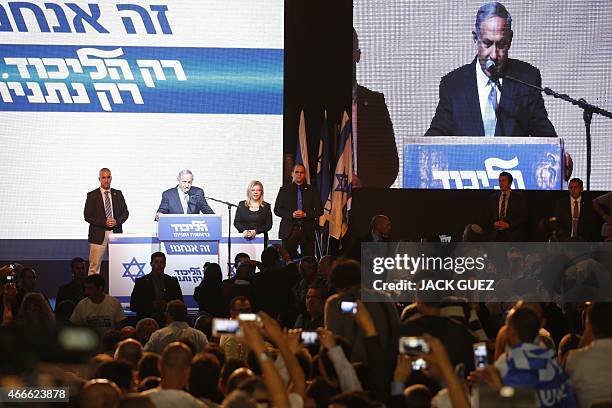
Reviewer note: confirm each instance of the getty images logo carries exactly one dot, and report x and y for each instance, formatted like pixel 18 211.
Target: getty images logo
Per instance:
pixel 477 179
pixel 194 226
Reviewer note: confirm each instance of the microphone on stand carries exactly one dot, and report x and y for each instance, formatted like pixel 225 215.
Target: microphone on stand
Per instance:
pixel 493 74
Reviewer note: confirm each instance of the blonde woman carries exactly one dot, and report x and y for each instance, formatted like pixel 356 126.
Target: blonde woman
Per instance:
pixel 254 215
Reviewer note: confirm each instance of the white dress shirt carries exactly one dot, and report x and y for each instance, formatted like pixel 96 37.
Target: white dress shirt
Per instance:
pixel 184 198
pixel 484 88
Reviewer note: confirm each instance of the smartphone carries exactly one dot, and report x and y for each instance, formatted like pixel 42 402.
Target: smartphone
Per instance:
pixel 480 355
pixel 419 364
pixel 348 307
pixel 10 278
pixel 309 337
pixel 413 346
pixel 249 317
pixel 225 326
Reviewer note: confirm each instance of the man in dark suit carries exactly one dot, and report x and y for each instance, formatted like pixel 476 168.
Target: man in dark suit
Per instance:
pixel 153 291
pixel 575 216
pixel 506 212
pixel 474 101
pixel 184 198
pixel 105 211
pixel 73 290
pixel 375 157
pixel 299 205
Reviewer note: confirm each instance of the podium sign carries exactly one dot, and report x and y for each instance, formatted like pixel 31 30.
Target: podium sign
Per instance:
pixel 189 227
pixel 475 162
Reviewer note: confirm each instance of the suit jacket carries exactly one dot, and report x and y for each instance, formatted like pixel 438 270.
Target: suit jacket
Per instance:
pixel 521 110
pixel 377 160
pixel 143 294
pixel 96 216
pixel 171 203
pixel 70 291
pixel 587 221
pixel 286 204
pixel 516 216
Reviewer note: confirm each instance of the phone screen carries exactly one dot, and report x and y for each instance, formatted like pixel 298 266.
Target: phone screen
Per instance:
pixel 225 326
pixel 348 307
pixel 480 355
pixel 309 337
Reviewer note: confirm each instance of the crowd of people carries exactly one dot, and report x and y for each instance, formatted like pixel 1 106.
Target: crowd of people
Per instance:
pixel 296 344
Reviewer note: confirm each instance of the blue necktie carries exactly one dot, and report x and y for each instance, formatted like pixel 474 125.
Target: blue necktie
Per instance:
pixel 502 210
pixel 490 119
pixel 108 210
pixel 299 198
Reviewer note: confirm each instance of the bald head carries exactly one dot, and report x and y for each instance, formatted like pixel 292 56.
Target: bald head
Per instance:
pixel 175 366
pixel 176 356
pixel 100 393
pixel 381 225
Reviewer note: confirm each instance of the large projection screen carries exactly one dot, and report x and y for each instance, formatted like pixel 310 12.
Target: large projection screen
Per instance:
pixel 145 88
pixel 407 46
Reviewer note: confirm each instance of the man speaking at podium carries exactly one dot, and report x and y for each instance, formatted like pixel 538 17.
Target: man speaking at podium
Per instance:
pixel 476 101
pixel 184 198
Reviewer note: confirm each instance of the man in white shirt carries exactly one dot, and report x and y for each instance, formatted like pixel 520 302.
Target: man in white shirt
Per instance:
pixel 98 310
pixel 177 329
pixel 590 367
pixel 175 368
pixel 105 211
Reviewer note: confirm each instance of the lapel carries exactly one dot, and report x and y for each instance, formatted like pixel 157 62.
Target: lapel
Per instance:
pixel 177 200
pixel 114 202
pixel 507 106
pixel 472 101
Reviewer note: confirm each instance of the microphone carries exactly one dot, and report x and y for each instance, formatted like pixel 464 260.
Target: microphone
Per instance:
pixel 490 66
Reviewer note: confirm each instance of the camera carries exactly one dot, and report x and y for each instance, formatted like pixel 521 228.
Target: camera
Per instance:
pixel 225 326
pixel 309 337
pixel 348 307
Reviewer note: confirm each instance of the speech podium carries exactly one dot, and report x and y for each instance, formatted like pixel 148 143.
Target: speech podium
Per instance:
pixel 459 162
pixel 188 240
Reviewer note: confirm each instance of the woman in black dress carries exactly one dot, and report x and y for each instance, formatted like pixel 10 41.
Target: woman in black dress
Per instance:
pixel 254 215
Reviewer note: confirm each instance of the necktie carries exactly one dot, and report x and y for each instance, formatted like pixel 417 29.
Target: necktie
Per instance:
pixel 575 217
pixel 490 119
pixel 108 210
pixel 502 209
pixel 300 205
pixel 185 203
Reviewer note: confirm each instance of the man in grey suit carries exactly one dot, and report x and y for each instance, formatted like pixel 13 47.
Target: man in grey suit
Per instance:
pixel 184 198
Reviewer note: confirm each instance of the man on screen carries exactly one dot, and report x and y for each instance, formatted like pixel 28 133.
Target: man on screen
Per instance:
pixel 375 153
pixel 105 211
pixel 184 198
pixel 475 101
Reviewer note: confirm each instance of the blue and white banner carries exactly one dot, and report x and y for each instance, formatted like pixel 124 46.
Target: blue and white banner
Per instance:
pixel 62 78
pixel 189 227
pixel 145 88
pixel 475 163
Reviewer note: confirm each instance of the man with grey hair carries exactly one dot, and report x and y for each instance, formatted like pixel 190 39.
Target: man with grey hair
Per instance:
pixel 184 198
pixel 475 100
pixel 105 211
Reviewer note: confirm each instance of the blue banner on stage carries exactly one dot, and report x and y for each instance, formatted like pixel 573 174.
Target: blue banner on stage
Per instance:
pixel 189 228
pixel 68 78
pixel 475 163
pixel 192 248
